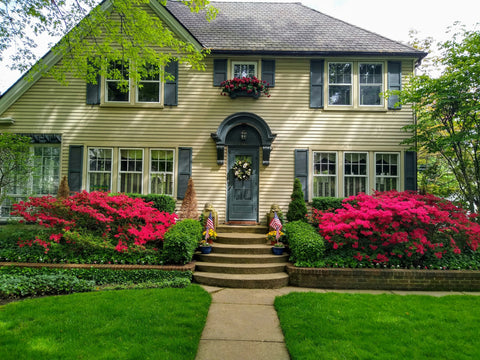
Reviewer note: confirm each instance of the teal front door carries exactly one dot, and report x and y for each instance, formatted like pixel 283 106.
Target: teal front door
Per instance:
pixel 242 195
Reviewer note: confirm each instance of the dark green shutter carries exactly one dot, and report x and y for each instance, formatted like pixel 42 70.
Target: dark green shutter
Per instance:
pixel 316 83
pixel 93 90
pixel 410 170
pixel 171 86
pixel 394 82
pixel 219 71
pixel 75 167
pixel 268 72
pixel 301 169
pixel 184 170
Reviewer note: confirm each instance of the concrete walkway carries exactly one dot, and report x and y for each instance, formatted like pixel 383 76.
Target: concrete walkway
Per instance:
pixel 242 323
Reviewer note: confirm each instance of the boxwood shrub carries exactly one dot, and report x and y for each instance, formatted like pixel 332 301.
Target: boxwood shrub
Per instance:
pixel 181 241
pixel 306 245
pixel 161 202
pixel 327 203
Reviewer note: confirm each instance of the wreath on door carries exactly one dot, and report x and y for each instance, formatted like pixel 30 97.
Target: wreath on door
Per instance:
pixel 242 170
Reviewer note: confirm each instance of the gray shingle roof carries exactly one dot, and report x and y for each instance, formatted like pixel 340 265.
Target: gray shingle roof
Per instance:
pixel 282 28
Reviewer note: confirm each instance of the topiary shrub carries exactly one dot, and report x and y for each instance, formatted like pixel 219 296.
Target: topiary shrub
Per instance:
pixel 306 245
pixel 181 241
pixel 297 210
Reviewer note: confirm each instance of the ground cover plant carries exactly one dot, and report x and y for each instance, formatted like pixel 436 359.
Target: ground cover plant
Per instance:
pixel 96 223
pixel 140 324
pixel 18 282
pixel 363 326
pixel 400 229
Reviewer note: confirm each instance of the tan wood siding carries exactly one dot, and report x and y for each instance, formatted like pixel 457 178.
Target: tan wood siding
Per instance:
pixel 48 107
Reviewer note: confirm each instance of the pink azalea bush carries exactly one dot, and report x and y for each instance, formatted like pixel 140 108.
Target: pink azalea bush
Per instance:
pixel 398 228
pixel 119 220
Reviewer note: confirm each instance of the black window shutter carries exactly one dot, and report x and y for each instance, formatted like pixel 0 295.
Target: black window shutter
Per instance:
pixel 219 71
pixel 184 170
pixel 75 167
pixel 394 82
pixel 316 83
pixel 301 169
pixel 410 170
pixel 171 86
pixel 268 72
pixel 93 92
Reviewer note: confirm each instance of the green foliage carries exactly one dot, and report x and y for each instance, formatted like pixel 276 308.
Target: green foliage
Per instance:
pixel 140 324
pixel 306 245
pixel 327 203
pixel 13 286
pixel 126 29
pixel 448 112
pixel 15 161
pixel 297 210
pixel 362 326
pixel 161 202
pixel 181 241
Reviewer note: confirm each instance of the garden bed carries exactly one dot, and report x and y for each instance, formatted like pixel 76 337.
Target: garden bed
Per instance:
pixel 188 267
pixel 384 279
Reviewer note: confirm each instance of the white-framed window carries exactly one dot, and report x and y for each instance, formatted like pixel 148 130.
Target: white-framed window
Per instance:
pixel 130 179
pixel 324 174
pixel 162 171
pixel 340 79
pixel 113 92
pixel 244 69
pixel 355 173
pixel 387 174
pixel 100 162
pixel 44 179
pixel 149 89
pixel 370 84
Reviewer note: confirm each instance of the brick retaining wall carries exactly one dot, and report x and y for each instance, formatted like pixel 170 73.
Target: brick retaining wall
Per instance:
pixel 384 279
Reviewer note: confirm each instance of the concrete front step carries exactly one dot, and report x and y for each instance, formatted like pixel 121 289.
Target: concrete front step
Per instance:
pixel 244 281
pixel 250 229
pixel 241 258
pixel 240 268
pixel 241 238
pixel 219 248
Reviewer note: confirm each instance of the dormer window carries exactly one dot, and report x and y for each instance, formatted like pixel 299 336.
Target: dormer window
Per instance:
pixel 244 69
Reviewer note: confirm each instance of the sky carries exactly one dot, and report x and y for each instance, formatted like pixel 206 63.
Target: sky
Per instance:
pixel 392 19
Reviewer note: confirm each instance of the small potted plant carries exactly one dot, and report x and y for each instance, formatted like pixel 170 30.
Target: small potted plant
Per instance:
pixel 272 237
pixel 278 248
pixel 205 247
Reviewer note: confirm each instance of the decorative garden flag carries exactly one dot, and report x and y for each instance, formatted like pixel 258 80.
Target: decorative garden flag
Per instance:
pixel 276 225
pixel 209 226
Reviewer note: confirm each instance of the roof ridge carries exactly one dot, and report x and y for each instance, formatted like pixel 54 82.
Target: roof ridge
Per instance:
pixel 363 29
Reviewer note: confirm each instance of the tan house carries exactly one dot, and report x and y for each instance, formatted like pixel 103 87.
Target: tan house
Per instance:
pixel 325 122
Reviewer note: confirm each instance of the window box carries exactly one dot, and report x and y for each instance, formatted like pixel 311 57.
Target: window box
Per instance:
pixel 245 87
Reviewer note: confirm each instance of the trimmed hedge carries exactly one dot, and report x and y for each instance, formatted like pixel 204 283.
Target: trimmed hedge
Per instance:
pixel 161 202
pixel 306 245
pixel 181 241
pixel 327 203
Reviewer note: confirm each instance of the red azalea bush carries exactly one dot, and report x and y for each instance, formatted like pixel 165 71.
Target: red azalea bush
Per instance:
pixel 398 228
pixel 128 223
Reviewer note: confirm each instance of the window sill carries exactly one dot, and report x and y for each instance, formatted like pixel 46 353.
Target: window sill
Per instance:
pixel 130 105
pixel 356 109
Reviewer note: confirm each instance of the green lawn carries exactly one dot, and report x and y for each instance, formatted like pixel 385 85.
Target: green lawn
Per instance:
pixel 358 326
pixel 128 324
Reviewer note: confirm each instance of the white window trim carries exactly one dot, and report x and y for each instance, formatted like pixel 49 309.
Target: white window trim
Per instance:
pixel 95 172
pixel 382 85
pixel 329 175
pixel 367 176
pixel 150 172
pixel 120 172
pixel 387 177
pixel 160 91
pixel 254 63
pixel 352 97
